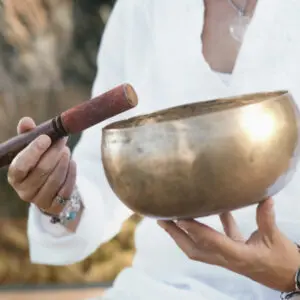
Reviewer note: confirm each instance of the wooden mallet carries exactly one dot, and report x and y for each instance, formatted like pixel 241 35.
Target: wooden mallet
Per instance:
pixel 73 120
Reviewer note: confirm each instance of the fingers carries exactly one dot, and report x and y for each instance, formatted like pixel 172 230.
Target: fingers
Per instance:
pixel 69 184
pixel 66 190
pixel 54 182
pixel 203 243
pixel 205 236
pixel 230 227
pixel 183 241
pixel 207 239
pixel 30 185
pixel 195 230
pixel 27 159
pixel 25 124
pixel 265 218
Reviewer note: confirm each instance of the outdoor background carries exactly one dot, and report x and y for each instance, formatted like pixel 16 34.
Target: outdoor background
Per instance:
pixel 48 52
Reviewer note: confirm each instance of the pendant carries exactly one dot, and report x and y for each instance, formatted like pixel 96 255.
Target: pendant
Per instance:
pixel 239 27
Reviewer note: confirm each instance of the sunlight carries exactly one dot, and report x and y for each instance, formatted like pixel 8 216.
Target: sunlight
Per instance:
pixel 258 123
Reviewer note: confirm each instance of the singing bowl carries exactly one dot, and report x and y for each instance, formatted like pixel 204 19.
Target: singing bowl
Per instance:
pixel 203 158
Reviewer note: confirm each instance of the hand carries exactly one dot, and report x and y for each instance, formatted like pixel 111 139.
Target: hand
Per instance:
pixel 42 171
pixel 267 257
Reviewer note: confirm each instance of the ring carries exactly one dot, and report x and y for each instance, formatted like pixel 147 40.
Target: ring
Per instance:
pixel 60 200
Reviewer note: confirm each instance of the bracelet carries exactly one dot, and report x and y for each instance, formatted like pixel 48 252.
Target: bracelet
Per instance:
pixel 69 213
pixel 287 296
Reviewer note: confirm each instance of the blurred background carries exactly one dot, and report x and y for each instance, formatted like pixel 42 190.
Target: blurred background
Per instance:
pixel 48 54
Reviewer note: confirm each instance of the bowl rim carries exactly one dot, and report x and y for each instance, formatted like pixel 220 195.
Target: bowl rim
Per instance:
pixel 263 97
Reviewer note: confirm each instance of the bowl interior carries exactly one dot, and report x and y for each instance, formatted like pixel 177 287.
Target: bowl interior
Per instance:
pixel 195 109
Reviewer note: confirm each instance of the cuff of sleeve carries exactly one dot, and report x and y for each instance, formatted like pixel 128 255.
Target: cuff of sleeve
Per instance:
pixel 53 244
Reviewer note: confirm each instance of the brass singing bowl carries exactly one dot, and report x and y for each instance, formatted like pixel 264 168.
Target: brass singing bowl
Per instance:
pixel 203 158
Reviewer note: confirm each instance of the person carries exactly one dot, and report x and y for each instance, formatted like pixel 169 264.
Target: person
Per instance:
pixel 174 52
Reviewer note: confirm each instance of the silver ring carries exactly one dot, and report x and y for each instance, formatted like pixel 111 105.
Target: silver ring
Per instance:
pixel 60 200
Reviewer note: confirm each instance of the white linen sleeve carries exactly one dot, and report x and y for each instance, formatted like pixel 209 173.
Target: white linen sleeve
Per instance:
pixel 104 214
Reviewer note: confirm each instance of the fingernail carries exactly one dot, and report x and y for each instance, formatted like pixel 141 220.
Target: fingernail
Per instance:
pixel 181 225
pixel 161 223
pixel 66 153
pixel 64 140
pixel 43 141
pixel 271 206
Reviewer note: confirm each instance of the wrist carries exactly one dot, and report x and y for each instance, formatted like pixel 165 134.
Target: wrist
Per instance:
pixel 294 289
pixel 71 214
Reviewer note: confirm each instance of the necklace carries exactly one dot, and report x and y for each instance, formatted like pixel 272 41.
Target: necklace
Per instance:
pixel 239 25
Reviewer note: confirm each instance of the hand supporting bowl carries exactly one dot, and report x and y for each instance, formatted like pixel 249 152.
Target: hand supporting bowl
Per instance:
pixel 203 158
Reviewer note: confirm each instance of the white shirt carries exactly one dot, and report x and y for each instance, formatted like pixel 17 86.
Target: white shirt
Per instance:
pixel 155 45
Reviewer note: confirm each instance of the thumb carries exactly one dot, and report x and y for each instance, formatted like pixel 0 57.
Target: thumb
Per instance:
pixel 25 124
pixel 265 218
